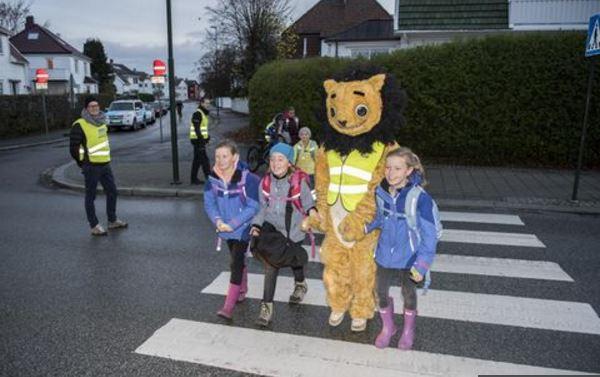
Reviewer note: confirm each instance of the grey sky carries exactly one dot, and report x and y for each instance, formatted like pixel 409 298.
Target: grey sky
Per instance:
pixel 134 31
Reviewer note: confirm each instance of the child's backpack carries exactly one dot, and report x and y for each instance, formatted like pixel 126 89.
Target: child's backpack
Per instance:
pixel 240 188
pixel 293 195
pixel 410 211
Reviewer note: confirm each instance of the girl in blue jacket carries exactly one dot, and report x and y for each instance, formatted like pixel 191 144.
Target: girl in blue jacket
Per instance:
pixel 402 251
pixel 231 201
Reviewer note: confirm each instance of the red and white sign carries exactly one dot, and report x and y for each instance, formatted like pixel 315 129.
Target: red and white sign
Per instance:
pixel 41 76
pixel 160 68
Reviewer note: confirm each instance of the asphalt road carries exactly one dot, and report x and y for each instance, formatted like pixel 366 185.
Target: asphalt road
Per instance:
pixel 73 305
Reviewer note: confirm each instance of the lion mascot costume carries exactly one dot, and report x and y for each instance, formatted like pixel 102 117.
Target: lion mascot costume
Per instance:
pixel 362 113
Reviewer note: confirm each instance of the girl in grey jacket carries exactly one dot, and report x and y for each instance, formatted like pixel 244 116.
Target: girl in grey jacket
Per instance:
pixel 274 204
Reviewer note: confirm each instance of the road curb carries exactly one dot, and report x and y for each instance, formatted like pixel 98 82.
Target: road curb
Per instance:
pixel 29 145
pixel 58 178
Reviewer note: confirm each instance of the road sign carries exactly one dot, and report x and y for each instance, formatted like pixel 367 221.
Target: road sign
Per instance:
pixel 592 44
pixel 160 68
pixel 157 79
pixel 41 86
pixel 41 76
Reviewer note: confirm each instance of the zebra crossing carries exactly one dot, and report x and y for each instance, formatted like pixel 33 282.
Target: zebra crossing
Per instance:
pixel 499 321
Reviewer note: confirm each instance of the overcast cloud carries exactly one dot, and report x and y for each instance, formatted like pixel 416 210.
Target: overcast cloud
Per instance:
pixel 134 32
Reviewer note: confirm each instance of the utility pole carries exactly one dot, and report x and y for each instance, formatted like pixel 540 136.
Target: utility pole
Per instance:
pixel 171 64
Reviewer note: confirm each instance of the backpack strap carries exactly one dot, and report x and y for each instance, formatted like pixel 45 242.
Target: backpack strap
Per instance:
pixel 410 206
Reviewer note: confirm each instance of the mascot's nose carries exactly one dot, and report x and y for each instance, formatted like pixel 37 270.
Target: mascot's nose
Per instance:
pixel 342 122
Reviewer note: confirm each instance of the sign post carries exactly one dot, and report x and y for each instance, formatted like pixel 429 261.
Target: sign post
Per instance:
pixel 160 69
pixel 592 49
pixel 41 85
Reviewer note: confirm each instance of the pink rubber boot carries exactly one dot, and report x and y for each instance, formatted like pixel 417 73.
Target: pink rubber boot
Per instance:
pixel 244 285
pixel 408 332
pixel 389 328
pixel 232 297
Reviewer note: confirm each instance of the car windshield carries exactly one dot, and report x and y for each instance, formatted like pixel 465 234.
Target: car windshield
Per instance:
pixel 116 106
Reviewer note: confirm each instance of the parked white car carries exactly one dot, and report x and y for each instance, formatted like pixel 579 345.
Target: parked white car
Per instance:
pixel 126 113
pixel 150 116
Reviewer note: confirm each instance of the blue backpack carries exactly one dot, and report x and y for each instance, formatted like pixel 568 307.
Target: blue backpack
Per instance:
pixel 410 214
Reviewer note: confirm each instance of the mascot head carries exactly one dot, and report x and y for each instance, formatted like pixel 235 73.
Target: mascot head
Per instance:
pixel 363 104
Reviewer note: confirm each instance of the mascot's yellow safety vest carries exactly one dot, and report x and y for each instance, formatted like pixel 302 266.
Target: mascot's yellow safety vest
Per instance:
pixel 203 127
pixel 349 177
pixel 96 142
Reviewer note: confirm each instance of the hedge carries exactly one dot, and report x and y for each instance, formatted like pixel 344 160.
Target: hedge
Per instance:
pixel 21 115
pixel 511 99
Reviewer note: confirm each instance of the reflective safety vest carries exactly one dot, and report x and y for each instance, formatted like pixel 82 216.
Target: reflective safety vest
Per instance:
pixel 305 156
pixel 203 127
pixel 349 176
pixel 96 142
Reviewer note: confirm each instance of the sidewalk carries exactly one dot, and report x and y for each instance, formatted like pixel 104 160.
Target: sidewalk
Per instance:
pixel 451 186
pixel 41 138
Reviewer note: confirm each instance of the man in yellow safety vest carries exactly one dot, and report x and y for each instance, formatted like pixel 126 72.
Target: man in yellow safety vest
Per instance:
pixel 90 149
pixel 199 139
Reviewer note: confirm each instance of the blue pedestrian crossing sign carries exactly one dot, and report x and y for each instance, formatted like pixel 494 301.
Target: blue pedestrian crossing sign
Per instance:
pixel 592 44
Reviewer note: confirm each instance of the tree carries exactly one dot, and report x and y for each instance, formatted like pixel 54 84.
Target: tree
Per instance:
pixel 101 70
pixel 218 71
pixel 288 45
pixel 13 14
pixel 253 27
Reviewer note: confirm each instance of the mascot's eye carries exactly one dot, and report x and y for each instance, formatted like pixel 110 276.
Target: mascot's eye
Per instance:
pixel 332 112
pixel 361 110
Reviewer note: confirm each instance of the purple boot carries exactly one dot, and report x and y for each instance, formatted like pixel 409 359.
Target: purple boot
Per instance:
pixel 244 285
pixel 232 297
pixel 408 332
pixel 389 328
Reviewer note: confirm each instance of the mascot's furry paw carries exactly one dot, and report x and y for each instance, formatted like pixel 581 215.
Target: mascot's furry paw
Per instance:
pixel 351 229
pixel 314 222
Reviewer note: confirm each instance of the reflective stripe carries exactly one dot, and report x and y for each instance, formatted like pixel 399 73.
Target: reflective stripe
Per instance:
pixel 100 153
pixel 98 147
pixel 348 189
pixel 351 171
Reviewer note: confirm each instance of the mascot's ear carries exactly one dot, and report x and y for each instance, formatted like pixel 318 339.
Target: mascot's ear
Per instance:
pixel 377 81
pixel 329 85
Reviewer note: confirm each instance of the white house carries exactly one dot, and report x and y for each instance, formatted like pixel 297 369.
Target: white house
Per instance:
pixel 181 90
pixel 13 68
pixel 484 18
pixel 130 81
pixel 66 66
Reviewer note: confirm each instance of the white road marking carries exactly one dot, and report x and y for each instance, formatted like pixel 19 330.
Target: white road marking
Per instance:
pixel 277 354
pixel 576 317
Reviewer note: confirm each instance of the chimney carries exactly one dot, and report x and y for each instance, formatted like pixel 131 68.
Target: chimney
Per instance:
pixel 29 22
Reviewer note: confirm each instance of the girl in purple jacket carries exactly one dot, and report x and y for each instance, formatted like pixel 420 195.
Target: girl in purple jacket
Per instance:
pixel 403 253
pixel 231 201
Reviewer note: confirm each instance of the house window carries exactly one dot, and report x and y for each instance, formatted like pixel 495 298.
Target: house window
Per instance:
pixel 14 85
pixel 50 63
pixel 76 66
pixel 1 88
pixel 33 36
pixel 1 45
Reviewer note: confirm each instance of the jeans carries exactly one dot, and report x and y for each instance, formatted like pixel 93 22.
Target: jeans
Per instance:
pixel 103 174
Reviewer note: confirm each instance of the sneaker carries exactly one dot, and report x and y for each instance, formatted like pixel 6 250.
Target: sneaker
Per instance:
pixel 98 230
pixel 358 324
pixel 300 289
pixel 117 224
pixel 335 318
pixel 266 314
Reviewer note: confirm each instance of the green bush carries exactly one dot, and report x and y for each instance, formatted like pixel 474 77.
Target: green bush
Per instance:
pixel 512 99
pixel 22 115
